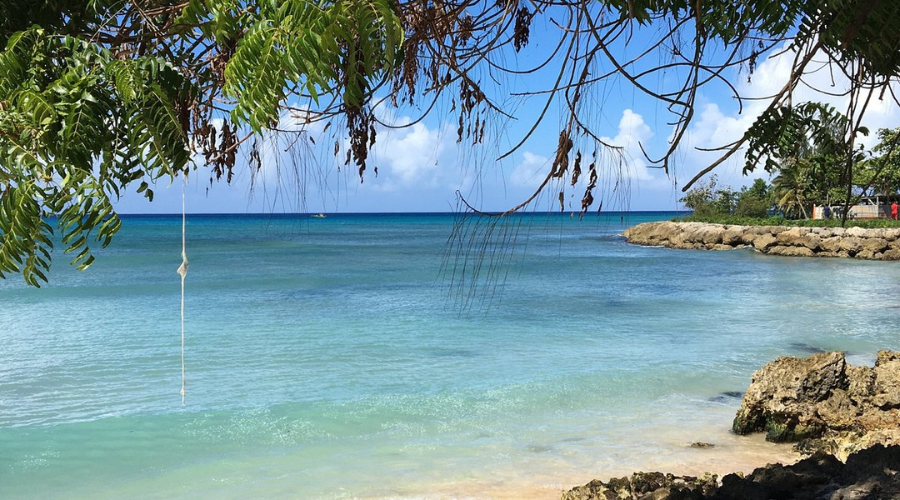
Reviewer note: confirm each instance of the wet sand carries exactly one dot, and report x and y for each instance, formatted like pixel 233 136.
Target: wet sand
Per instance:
pixel 729 453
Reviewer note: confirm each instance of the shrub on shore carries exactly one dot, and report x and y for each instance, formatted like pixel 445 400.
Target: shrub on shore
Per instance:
pixel 734 220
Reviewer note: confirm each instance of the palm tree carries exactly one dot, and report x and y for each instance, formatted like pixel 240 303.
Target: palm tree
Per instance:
pixel 791 186
pixel 812 160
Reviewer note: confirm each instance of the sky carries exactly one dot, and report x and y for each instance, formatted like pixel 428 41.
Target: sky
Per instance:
pixel 421 168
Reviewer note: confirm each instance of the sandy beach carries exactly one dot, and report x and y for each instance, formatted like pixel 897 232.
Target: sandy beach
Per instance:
pixel 729 453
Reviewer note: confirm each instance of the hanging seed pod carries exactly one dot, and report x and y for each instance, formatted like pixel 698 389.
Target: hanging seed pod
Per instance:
pixel 561 162
pixel 522 29
pixel 576 170
pixel 586 201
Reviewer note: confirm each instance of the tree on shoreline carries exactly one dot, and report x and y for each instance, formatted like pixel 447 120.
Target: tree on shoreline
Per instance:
pixel 880 175
pixel 807 153
pixel 706 199
pixel 97 96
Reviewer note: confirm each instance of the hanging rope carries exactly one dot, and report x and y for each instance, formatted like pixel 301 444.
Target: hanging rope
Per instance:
pixel 182 270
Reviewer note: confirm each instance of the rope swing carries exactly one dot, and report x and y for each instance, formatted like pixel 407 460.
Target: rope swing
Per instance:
pixel 182 270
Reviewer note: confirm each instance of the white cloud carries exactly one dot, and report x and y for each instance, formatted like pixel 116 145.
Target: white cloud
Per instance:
pixel 633 132
pixel 713 127
pixel 616 177
pixel 531 171
pixel 410 155
pixel 820 84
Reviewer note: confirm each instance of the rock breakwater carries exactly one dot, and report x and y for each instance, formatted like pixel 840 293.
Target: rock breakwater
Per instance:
pixel 854 242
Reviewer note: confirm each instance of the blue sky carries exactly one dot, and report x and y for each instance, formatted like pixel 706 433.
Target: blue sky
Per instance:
pixel 421 167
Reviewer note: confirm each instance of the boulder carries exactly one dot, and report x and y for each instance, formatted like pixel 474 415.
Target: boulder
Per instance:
pixel 868 474
pixel 865 254
pixel 830 244
pixel 753 232
pixel 872 473
pixel 783 395
pixel 836 412
pixel 851 244
pixel 823 404
pixel 651 233
pixel 646 485
pixel 677 240
pixel 891 254
pixel 812 241
pixel 798 237
pixel 733 235
pixel 887 380
pixel 707 234
pixel 763 242
pixel 791 251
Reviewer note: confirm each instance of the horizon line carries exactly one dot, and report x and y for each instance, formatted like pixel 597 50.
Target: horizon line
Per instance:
pixel 548 212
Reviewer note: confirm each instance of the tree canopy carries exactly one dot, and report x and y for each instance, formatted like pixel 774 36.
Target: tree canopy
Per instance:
pixel 97 96
pixel 881 174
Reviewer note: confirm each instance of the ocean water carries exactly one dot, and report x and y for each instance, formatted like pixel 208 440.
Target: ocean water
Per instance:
pixel 347 357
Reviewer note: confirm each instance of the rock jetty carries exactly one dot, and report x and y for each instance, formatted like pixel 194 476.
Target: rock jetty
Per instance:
pixel 854 242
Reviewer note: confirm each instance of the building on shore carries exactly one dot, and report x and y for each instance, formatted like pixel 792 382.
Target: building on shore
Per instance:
pixel 868 208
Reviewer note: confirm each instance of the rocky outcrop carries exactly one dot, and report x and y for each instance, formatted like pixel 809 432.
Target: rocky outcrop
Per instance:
pixel 823 404
pixel 871 244
pixel 847 417
pixel 650 485
pixel 871 474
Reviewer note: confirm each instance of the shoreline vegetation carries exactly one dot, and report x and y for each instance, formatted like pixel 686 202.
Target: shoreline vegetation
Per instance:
pixel 736 220
pixel 845 419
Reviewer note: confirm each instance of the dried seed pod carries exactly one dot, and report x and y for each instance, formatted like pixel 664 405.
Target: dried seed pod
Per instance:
pixel 561 162
pixel 576 170
pixel 522 29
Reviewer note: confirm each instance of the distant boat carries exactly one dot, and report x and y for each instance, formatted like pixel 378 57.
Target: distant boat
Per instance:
pixel 318 216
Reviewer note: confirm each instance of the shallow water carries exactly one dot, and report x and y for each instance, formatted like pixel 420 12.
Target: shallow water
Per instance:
pixel 329 359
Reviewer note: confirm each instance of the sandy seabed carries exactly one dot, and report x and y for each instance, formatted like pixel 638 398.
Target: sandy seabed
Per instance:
pixel 729 453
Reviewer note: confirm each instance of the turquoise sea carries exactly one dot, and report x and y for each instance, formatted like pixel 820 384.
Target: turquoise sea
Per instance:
pixel 347 357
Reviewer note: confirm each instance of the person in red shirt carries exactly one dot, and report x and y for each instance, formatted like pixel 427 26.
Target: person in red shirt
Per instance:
pixel 894 210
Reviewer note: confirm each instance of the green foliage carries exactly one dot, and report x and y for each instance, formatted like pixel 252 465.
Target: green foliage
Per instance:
pixel 786 134
pixel 704 199
pixel 725 21
pixel 709 200
pixel 858 41
pixel 84 116
pixel 880 174
pixel 76 131
pixel 299 44
pixel 782 221
pixel 791 187
pixel 861 32
pixel 65 17
pixel 806 146
pixel 754 201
